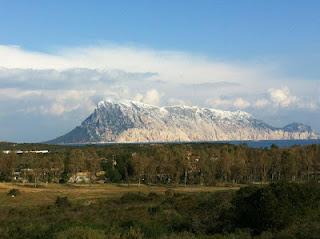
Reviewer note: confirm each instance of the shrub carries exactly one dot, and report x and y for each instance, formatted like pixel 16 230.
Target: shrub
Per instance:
pixel 153 195
pixel 134 233
pixel 153 210
pixel 80 233
pixel 276 206
pixel 133 197
pixel 62 202
pixel 64 177
pixel 308 230
pixel 183 235
pixel 169 193
pixel 180 223
pixel 14 192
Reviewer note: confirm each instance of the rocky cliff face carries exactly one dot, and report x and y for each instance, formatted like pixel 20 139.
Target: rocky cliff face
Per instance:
pixel 129 121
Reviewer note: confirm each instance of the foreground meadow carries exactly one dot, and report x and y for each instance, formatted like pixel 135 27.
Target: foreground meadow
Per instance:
pixel 109 211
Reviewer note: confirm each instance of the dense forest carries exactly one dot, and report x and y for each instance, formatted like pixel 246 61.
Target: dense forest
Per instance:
pixel 189 164
pixel 274 211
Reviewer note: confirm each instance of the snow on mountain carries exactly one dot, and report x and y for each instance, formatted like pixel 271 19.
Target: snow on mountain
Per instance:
pixel 130 121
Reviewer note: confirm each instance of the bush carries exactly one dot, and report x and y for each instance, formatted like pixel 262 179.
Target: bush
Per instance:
pixel 14 192
pixel 62 202
pixel 309 230
pixel 153 210
pixel 134 233
pixel 169 193
pixel 134 197
pixel 183 235
pixel 276 206
pixel 179 223
pixel 80 233
pixel 153 195
pixel 64 177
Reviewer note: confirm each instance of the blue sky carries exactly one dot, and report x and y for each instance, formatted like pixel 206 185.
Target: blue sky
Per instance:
pixel 232 29
pixel 275 43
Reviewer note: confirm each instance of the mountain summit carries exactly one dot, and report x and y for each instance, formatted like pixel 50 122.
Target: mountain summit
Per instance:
pixel 130 121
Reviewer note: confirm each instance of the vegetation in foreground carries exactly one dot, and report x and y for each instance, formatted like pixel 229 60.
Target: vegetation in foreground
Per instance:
pixel 281 210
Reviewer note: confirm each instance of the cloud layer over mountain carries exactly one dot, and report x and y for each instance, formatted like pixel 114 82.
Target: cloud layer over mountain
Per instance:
pixel 63 86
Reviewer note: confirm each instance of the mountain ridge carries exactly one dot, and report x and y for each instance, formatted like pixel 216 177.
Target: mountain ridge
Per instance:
pixel 131 121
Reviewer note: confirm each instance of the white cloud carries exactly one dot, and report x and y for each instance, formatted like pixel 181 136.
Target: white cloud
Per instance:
pixel 151 97
pixel 56 109
pixel 16 57
pixel 138 97
pixel 282 97
pixel 67 101
pixel 120 71
pixel 261 103
pixel 170 65
pixel 174 101
pixel 229 104
pixel 241 103
pixel 69 81
pixel 275 99
pixel 12 93
pixel 54 102
pixel 74 78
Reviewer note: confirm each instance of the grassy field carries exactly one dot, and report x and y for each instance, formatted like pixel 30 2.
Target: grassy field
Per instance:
pixel 86 194
pixel 110 211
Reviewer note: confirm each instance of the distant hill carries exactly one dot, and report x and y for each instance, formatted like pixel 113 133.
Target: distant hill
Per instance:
pixel 130 121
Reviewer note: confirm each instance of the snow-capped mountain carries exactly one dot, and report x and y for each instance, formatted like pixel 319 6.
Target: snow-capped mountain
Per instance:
pixel 130 121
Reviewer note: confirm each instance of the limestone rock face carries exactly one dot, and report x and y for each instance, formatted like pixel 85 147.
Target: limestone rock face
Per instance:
pixel 130 121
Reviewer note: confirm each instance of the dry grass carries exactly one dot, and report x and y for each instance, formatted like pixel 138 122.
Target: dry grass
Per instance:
pixel 47 194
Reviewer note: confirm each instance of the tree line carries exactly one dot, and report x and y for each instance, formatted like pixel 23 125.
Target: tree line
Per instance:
pixel 202 164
